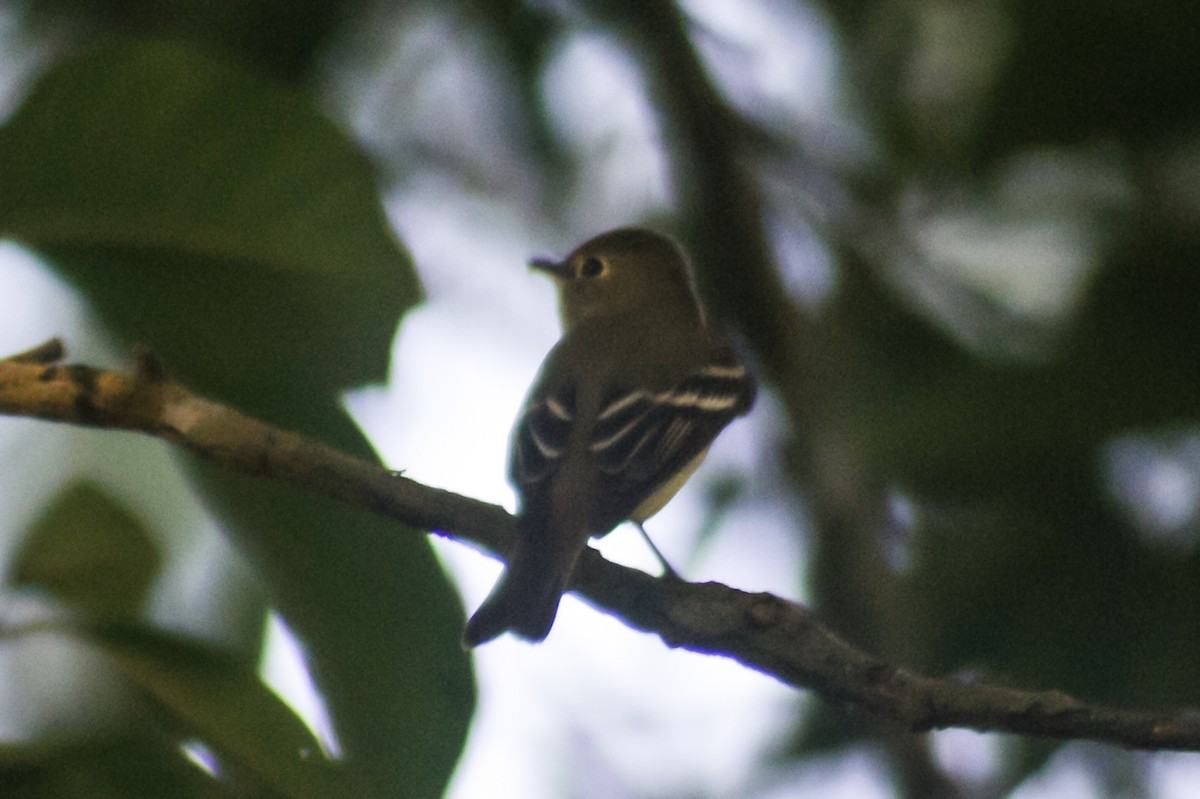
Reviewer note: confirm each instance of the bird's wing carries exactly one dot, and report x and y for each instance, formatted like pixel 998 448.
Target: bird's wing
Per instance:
pixel 541 436
pixel 641 437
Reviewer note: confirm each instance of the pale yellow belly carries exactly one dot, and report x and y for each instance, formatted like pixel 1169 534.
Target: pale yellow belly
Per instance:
pixel 654 503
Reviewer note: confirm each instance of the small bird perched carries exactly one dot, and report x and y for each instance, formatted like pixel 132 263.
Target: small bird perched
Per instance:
pixel 621 414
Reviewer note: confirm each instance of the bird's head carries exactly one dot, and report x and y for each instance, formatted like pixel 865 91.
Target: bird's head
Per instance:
pixel 628 270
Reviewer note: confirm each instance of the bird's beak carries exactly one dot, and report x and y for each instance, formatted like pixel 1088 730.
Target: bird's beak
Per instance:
pixel 556 268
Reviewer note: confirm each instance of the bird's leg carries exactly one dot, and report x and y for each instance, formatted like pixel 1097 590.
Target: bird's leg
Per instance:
pixel 668 572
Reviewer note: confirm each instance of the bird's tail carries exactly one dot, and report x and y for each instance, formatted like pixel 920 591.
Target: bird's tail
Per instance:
pixel 525 601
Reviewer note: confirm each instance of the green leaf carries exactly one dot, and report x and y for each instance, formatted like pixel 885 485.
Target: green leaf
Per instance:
pixel 223 222
pixel 400 696
pixel 90 552
pixel 219 214
pixel 205 695
pixel 109 767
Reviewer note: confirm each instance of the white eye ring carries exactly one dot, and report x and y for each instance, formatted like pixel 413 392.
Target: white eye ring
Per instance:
pixel 592 267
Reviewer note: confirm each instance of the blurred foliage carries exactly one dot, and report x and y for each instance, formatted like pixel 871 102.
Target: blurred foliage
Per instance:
pixel 223 222
pixel 109 767
pixel 249 736
pixel 201 701
pixel 95 559
pixel 90 552
pixel 1006 193
pixel 280 38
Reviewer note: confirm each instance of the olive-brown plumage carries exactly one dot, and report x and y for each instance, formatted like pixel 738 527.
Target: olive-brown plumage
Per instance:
pixel 623 410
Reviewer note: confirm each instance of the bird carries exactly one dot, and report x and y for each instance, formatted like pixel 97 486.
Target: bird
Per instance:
pixel 623 410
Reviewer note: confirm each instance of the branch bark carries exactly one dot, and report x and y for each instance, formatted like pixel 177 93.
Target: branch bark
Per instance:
pixel 761 631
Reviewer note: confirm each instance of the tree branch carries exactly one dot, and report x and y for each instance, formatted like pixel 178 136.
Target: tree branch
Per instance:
pixel 761 631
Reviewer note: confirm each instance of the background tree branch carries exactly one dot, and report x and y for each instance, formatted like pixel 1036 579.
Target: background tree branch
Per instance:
pixel 761 631
pixel 718 159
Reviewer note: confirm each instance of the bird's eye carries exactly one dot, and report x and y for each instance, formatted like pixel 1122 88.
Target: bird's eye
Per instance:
pixel 591 267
